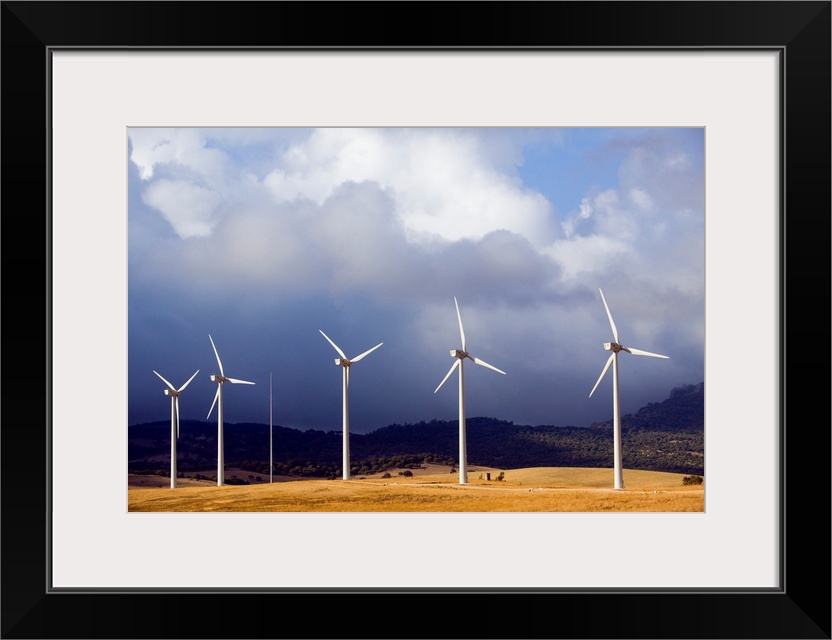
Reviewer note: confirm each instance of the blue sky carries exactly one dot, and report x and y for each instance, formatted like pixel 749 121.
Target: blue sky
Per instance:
pixel 263 237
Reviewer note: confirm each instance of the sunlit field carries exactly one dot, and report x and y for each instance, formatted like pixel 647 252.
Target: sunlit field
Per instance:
pixel 432 489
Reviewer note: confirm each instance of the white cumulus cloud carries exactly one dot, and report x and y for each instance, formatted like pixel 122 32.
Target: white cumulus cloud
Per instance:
pixel 188 208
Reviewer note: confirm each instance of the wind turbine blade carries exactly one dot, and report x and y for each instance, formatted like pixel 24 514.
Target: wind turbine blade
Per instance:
pixel 461 331
pixel 216 395
pixel 639 352
pixel 448 375
pixel 172 388
pixel 485 364
pixel 606 366
pixel 235 381
pixel 609 315
pixel 176 413
pixel 357 358
pixel 182 388
pixel 216 354
pixel 340 353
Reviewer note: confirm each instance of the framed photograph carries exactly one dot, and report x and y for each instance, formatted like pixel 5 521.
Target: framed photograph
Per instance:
pixel 395 235
pixel 754 77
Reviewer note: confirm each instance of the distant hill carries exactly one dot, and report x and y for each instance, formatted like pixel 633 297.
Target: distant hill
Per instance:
pixel 663 436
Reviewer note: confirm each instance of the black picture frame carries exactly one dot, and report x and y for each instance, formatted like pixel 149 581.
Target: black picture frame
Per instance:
pixel 799 31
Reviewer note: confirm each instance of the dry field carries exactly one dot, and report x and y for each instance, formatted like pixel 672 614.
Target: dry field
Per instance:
pixel 432 489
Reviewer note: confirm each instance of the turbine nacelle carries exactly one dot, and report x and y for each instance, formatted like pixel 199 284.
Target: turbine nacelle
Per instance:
pixel 218 378
pixel 614 347
pixel 343 361
pixel 171 393
pixel 459 353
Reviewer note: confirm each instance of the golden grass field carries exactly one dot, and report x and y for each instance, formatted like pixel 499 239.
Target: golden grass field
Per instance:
pixel 431 489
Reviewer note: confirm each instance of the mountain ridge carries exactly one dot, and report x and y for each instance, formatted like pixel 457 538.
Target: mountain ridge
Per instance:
pixel 661 436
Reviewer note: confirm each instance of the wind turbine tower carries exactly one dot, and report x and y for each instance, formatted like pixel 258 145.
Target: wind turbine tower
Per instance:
pixel 174 421
pixel 615 348
pixel 220 379
pixel 345 362
pixel 460 355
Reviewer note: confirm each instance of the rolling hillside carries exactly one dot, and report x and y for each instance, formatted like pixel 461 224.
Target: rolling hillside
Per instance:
pixel 663 436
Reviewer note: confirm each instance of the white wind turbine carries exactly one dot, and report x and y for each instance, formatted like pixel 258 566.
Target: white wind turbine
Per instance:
pixel 174 421
pixel 460 355
pixel 220 380
pixel 344 362
pixel 615 347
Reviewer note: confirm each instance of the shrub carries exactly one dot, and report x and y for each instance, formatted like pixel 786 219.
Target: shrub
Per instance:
pixel 691 480
pixel 407 473
pixel 387 475
pixel 501 477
